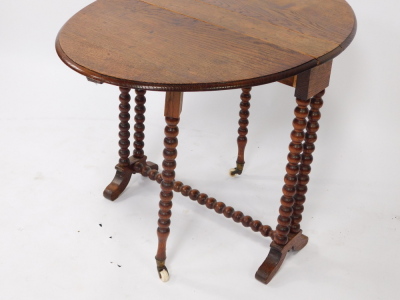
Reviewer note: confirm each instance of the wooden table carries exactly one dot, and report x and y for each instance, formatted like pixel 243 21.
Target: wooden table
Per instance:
pixel 179 46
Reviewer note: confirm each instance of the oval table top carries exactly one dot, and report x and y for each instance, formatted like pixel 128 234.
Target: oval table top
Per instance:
pixel 193 45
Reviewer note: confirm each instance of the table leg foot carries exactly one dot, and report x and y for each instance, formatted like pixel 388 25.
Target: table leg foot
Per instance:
pixel 277 255
pixel 119 183
pixel 123 176
pixel 162 271
pixel 236 171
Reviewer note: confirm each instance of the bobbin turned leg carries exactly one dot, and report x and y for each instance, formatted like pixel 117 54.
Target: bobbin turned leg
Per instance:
pixel 243 123
pixel 124 172
pixel 282 243
pixel 288 235
pixel 306 159
pixel 296 240
pixel 125 166
pixel 173 107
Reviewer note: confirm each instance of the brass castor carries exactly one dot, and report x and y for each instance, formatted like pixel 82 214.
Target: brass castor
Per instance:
pixel 236 171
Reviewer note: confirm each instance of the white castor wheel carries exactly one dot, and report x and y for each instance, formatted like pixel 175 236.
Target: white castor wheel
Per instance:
pixel 164 275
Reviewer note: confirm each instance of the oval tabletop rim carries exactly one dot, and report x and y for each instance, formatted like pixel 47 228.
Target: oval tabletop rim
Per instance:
pixel 100 77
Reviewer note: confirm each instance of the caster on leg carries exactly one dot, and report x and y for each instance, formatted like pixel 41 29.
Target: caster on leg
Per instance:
pixel 162 271
pixel 164 275
pixel 236 171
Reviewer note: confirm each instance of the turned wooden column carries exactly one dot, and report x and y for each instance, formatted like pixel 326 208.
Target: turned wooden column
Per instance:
pixel 306 159
pixel 139 127
pixel 124 171
pixel 309 88
pixel 173 107
pixel 125 164
pixel 191 46
pixel 292 169
pixel 242 130
pixel 124 126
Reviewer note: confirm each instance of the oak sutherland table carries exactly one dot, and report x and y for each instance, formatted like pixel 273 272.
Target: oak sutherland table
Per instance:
pixel 182 46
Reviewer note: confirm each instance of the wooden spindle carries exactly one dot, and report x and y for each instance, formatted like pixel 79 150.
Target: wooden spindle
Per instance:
pixel 173 108
pixel 167 184
pixel 124 126
pixel 139 127
pixel 211 203
pixel 292 169
pixel 242 130
pixel 221 208
pixel 306 159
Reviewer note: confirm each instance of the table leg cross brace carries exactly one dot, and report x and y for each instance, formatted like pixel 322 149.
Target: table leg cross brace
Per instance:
pixel 209 202
pixel 287 236
pixel 277 254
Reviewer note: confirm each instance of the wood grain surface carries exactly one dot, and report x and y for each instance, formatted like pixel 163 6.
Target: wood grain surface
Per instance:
pixel 189 45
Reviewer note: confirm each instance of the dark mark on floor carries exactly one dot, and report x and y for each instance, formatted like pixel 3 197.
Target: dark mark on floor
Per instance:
pixel 119 266
pixel 101 225
pixel 110 237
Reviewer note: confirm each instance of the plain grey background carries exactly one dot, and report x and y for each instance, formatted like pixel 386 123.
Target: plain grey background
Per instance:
pixel 59 147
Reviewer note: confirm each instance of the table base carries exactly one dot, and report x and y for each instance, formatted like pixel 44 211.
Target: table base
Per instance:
pixel 287 234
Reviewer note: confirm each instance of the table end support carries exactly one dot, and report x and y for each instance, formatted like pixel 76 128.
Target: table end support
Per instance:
pixel 119 183
pixel 125 167
pixel 123 176
pixel 277 255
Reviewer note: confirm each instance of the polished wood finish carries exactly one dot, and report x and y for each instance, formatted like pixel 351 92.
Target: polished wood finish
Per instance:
pixel 222 208
pixel 288 234
pixel 312 81
pixel 242 130
pixel 173 104
pixel 119 182
pixel 198 45
pixel 209 202
pixel 306 159
pixel 243 123
pixel 292 169
pixel 124 126
pixel 125 166
pixel 123 176
pixel 277 255
pixel 124 172
pixel 173 107
pixel 139 127
pixel 203 45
